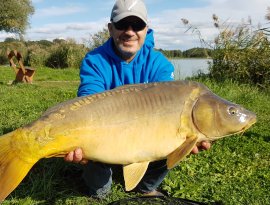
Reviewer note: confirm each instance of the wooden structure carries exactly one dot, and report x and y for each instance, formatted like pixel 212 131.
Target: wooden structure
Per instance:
pixel 23 74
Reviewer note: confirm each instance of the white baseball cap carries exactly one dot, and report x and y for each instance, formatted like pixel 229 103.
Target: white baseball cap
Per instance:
pixel 125 8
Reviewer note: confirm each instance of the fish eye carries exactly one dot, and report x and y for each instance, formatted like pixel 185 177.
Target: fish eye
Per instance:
pixel 232 111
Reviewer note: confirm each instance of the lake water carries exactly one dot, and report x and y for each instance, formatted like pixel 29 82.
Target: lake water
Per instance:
pixel 189 67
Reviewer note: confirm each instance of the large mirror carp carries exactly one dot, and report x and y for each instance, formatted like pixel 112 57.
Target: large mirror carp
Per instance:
pixel 131 125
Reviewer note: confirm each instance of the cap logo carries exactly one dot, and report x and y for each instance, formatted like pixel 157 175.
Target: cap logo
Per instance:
pixel 132 5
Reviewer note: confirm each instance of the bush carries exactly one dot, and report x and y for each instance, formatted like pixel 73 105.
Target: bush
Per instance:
pixel 56 54
pixel 37 56
pixel 3 57
pixel 66 54
pixel 8 46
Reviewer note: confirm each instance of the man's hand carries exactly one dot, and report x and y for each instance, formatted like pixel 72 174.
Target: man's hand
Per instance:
pixel 203 146
pixel 76 156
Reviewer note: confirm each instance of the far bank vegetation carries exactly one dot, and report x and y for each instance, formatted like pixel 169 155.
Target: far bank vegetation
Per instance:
pixel 61 53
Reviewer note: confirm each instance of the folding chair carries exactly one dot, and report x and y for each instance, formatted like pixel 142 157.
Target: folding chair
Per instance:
pixel 23 74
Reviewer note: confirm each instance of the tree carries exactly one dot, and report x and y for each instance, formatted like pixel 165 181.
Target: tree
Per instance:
pixel 99 38
pixel 14 15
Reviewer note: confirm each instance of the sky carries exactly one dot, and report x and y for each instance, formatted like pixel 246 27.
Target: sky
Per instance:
pixel 79 19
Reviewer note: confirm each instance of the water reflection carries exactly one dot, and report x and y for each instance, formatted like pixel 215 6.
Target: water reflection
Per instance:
pixel 189 67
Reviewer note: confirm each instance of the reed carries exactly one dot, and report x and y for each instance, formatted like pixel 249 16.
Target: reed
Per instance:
pixel 240 53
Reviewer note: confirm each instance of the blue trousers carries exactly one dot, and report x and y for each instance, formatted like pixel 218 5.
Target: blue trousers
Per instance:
pixel 98 177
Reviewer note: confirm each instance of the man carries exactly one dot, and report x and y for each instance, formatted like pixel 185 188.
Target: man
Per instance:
pixel 128 57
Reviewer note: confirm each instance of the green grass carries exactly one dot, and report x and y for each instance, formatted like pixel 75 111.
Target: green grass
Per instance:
pixel 7 74
pixel 234 171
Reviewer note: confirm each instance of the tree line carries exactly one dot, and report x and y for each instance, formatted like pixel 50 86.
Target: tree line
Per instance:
pixel 61 53
pixel 189 53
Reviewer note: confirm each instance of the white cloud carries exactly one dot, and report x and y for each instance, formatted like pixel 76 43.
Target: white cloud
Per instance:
pixel 4 35
pixel 77 31
pixel 58 11
pixel 170 32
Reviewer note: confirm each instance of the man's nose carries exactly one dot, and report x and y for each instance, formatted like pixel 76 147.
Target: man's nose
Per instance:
pixel 129 29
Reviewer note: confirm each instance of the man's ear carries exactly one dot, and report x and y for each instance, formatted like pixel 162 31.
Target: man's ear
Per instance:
pixel 110 28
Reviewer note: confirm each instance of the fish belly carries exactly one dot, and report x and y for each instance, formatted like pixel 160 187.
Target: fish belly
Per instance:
pixel 130 141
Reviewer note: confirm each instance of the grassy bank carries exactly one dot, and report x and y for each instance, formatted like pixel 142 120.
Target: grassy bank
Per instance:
pixel 234 171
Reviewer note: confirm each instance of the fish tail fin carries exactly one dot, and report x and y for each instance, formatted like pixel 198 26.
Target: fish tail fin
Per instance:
pixel 12 168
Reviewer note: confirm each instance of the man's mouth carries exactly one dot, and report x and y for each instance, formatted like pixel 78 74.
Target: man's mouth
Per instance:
pixel 128 40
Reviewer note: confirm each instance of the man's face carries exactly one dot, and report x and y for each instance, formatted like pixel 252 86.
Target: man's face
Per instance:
pixel 128 35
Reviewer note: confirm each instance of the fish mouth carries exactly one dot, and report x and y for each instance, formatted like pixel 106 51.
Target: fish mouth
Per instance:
pixel 252 121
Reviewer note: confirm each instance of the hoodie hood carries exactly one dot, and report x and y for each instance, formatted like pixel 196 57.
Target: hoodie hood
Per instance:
pixel 149 40
pixel 102 69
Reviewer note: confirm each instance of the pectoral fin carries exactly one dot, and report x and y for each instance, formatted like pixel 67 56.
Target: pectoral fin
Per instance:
pixel 181 152
pixel 133 173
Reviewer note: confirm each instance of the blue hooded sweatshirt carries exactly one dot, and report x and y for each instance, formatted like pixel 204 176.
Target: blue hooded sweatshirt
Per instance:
pixel 102 69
